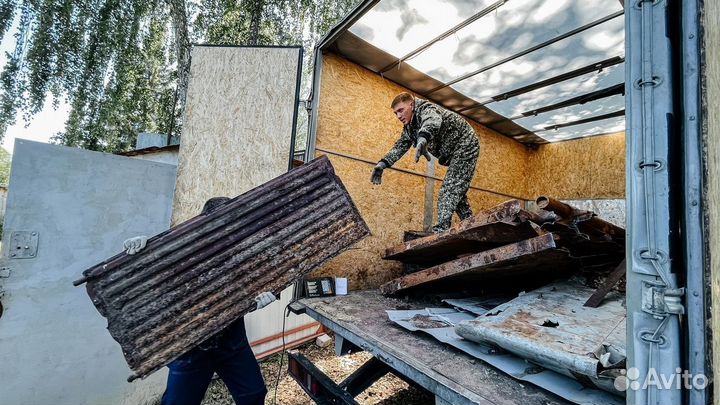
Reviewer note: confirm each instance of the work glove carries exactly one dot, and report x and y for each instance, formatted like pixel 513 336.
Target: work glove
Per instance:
pixel 421 150
pixel 134 245
pixel 264 299
pixel 377 173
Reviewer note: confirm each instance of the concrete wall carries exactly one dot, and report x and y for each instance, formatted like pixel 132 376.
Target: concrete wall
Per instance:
pixel 54 346
pixel 149 139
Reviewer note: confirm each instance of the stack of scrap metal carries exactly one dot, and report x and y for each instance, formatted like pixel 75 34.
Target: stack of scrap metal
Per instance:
pixel 546 337
pixel 193 280
pixel 507 242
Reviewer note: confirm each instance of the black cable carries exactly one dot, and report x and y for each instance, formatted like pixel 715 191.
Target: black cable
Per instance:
pixel 282 352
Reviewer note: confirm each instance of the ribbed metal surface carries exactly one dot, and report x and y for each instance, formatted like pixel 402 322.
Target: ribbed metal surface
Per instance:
pixel 193 280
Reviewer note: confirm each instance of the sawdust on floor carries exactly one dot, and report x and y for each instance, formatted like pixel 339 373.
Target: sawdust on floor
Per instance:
pixel 388 390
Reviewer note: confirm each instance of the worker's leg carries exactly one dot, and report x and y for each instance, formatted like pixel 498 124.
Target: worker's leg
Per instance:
pixel 241 373
pixel 454 189
pixel 188 379
pixel 235 363
pixel 463 208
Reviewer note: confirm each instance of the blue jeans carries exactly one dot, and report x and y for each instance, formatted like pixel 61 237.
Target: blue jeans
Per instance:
pixel 230 357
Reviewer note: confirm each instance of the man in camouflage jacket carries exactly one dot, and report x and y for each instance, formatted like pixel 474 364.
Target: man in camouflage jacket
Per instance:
pixel 447 136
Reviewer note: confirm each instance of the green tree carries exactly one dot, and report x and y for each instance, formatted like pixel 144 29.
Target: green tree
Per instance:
pixel 5 160
pixel 123 65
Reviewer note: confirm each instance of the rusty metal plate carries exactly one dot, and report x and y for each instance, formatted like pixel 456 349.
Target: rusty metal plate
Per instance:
pixel 490 228
pixel 193 280
pixel 23 245
pixel 520 261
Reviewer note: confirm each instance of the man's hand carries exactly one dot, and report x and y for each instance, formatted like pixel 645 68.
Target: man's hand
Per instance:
pixel 421 150
pixel 377 173
pixel 264 299
pixel 134 245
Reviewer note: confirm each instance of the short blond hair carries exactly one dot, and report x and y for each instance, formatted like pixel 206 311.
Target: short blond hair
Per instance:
pixel 403 97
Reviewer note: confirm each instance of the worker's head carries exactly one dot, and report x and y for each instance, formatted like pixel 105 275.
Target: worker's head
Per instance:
pixel 403 106
pixel 213 203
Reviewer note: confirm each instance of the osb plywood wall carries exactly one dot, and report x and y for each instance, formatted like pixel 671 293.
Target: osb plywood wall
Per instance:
pixel 388 209
pixel 579 169
pixel 355 119
pixel 225 150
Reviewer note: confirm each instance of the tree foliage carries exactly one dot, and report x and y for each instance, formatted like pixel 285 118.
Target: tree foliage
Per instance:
pixel 123 65
pixel 5 160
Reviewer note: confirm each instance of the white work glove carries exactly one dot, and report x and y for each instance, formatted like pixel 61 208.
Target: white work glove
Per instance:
pixel 377 173
pixel 421 150
pixel 134 245
pixel 264 299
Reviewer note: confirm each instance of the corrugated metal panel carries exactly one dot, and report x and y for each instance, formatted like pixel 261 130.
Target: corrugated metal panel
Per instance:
pixel 193 280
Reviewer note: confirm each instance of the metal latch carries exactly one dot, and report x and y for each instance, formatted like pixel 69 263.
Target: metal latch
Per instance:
pixel 23 245
pixel 660 301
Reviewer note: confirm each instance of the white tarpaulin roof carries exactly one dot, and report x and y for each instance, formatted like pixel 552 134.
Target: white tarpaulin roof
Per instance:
pixel 462 53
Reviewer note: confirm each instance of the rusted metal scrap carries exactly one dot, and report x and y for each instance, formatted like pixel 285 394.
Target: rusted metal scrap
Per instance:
pixel 551 327
pixel 193 280
pixel 613 278
pixel 600 243
pixel 586 221
pixel 530 258
pixel 497 226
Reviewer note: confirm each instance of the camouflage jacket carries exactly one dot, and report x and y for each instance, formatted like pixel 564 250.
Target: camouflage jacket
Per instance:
pixel 447 133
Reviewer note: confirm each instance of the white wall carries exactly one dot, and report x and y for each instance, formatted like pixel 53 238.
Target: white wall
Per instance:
pixel 54 346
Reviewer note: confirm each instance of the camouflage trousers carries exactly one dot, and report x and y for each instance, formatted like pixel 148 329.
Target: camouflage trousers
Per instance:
pixel 453 192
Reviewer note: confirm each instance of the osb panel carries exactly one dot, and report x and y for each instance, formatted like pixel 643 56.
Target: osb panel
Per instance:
pixel 712 199
pixel 355 115
pixel 579 169
pixel 389 209
pixel 355 118
pixel 237 125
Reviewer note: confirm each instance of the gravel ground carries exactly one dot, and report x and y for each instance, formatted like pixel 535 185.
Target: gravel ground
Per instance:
pixel 389 390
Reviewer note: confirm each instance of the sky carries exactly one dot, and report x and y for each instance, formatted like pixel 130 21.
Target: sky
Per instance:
pixel 44 124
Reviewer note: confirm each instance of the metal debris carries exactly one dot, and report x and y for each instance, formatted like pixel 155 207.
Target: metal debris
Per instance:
pixel 497 226
pixel 526 258
pixel 551 327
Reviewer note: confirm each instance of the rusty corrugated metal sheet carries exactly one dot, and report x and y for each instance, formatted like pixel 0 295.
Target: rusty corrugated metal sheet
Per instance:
pixel 193 280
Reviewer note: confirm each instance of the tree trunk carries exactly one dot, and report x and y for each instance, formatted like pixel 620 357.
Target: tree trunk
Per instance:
pixel 182 49
pixel 255 20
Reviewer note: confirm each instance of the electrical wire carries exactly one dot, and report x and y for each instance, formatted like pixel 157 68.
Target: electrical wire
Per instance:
pixel 282 352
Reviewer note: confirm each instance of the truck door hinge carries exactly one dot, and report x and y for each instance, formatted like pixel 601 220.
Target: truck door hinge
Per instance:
pixel 660 301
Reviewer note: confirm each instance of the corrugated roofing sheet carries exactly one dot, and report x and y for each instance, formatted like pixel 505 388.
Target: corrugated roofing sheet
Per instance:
pixel 193 280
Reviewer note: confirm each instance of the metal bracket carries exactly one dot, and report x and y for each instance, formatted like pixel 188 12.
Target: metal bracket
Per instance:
pixel 660 301
pixel 23 245
pixel 344 346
